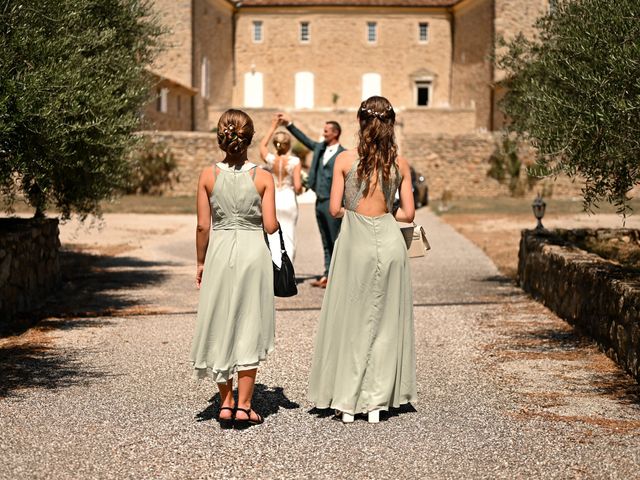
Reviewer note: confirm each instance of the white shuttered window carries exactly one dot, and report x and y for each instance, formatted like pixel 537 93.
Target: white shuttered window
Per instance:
pixel 304 90
pixel 253 90
pixel 371 85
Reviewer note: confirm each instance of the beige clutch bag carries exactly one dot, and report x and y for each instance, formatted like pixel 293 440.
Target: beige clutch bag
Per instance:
pixel 416 240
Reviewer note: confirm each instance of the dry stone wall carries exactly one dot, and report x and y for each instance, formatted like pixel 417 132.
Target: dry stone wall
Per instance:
pixel 454 165
pixel 599 297
pixel 29 265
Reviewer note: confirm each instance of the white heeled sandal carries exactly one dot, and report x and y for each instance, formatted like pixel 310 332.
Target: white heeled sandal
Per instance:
pixel 373 416
pixel 347 418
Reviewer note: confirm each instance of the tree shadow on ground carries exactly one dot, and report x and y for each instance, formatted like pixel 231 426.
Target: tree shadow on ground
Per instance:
pixel 91 286
pixel 36 364
pixel 384 415
pixel 267 401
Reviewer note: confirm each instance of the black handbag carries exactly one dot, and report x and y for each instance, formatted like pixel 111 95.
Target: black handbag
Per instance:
pixel 284 277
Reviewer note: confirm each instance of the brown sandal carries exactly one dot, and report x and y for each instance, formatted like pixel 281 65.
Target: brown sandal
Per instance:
pixel 242 423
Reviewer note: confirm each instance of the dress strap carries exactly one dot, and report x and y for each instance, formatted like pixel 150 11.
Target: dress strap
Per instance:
pixel 215 171
pixel 253 174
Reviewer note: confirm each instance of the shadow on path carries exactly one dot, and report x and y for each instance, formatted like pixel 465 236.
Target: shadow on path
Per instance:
pixel 92 286
pixel 266 401
pixel 384 415
pixel 36 364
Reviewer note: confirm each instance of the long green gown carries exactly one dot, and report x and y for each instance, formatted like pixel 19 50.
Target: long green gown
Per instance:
pixel 364 355
pixel 235 325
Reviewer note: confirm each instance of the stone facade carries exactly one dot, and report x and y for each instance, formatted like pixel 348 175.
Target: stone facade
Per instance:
pixel 177 104
pixel 599 297
pixel 338 54
pixel 472 68
pixel 213 49
pixel 29 266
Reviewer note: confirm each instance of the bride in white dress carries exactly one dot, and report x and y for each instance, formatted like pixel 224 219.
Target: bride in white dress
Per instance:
pixel 286 170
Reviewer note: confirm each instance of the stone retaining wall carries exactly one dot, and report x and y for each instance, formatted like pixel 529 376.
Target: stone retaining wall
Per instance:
pixel 456 164
pixel 29 265
pixel 600 298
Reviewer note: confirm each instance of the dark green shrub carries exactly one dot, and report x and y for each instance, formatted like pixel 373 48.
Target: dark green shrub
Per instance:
pixel 153 169
pixel 574 92
pixel 72 83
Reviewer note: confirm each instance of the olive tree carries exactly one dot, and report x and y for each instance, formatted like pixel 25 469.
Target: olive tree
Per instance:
pixel 73 80
pixel 574 93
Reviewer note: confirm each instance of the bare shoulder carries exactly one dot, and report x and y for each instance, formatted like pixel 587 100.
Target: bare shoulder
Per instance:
pixel 345 159
pixel 263 175
pixel 403 164
pixel 206 175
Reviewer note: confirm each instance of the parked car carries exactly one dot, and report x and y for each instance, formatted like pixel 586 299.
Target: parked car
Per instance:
pixel 419 188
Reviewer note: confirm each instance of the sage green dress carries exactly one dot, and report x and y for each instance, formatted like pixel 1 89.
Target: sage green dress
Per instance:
pixel 235 325
pixel 364 355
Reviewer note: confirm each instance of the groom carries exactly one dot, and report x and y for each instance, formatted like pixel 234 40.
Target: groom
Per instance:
pixel 320 177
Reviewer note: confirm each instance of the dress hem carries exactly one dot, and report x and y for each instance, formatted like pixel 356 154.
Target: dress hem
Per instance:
pixel 224 375
pixel 385 408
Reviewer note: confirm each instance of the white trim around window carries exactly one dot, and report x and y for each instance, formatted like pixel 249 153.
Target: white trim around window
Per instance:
pixel 423 92
pixel 305 32
pixel 257 31
pixel 423 32
pixel 372 33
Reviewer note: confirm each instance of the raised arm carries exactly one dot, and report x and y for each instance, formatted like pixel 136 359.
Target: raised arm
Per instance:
pixel 264 143
pixel 205 185
pixel 407 211
pixel 302 138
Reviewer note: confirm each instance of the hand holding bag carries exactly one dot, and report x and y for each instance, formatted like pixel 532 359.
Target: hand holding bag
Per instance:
pixel 284 277
pixel 416 240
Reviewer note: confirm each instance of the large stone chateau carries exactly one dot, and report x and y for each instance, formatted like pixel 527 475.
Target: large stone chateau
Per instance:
pixel 318 59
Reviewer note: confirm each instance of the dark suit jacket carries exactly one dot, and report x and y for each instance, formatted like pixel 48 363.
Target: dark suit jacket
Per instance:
pixel 320 176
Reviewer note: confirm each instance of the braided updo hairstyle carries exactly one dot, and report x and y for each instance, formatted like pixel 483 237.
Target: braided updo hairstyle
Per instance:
pixel 282 142
pixel 235 132
pixel 377 147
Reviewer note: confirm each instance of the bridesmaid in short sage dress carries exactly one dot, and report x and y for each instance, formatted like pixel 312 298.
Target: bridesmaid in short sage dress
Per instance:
pixel 235 323
pixel 364 355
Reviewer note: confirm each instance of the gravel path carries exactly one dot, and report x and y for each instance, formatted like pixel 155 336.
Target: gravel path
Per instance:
pixel 506 390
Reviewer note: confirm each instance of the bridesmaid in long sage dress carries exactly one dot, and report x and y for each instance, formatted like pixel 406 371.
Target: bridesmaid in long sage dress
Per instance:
pixel 364 354
pixel 235 324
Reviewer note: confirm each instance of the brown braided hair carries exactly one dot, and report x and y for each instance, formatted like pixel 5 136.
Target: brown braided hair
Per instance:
pixel 235 131
pixel 377 147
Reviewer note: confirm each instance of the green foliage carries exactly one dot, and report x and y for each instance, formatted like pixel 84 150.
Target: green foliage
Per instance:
pixel 574 92
pixel 506 167
pixel 72 84
pixel 153 169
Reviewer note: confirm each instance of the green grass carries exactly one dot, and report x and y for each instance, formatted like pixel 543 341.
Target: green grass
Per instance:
pixel 132 204
pixel 499 205
pixel 516 206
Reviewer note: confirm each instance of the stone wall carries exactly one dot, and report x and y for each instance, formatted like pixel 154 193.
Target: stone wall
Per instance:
pixel 599 297
pixel 472 69
pixel 29 267
pixel 457 164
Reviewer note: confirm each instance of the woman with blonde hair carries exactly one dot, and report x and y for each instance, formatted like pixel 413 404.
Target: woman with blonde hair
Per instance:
pixel 364 354
pixel 235 325
pixel 286 170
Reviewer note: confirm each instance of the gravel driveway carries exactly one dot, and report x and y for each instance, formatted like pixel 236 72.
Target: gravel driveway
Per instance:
pixel 506 390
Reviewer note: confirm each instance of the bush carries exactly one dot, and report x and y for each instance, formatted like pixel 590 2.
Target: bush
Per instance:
pixel 72 83
pixel 153 169
pixel 574 92
pixel 507 167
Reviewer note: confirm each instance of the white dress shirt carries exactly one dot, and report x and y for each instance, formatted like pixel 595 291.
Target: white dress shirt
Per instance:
pixel 329 152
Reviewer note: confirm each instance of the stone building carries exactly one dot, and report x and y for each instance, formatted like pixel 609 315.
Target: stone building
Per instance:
pixel 318 59
pixel 431 58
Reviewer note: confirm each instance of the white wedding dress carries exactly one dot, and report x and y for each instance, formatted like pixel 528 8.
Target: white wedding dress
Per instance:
pixel 286 206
